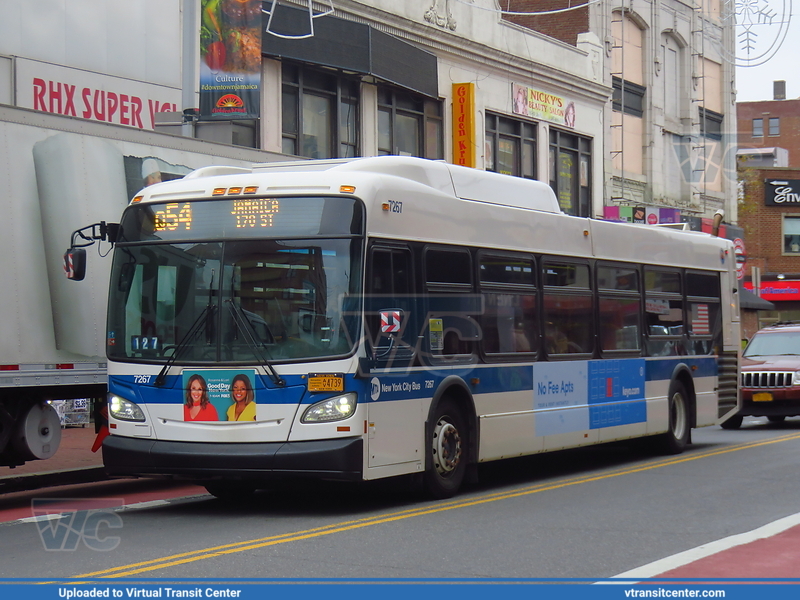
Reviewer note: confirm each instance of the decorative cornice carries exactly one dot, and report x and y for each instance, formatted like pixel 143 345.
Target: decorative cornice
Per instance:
pixel 446 20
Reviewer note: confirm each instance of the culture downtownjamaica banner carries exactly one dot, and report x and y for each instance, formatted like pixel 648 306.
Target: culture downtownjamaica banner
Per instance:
pixel 230 59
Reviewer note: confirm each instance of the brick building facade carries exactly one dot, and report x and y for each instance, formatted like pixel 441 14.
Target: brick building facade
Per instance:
pixel 559 25
pixel 771 124
pixel 770 217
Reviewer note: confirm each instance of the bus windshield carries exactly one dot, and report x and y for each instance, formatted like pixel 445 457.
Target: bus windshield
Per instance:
pixel 233 300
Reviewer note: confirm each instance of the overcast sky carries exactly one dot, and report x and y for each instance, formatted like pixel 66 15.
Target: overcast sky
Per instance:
pixel 755 83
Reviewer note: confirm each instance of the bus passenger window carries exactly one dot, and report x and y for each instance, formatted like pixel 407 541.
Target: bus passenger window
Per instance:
pixel 619 323
pixel 568 315
pixel 704 321
pixel 568 324
pixel 619 307
pixel 509 319
pixel 451 302
pixel 390 287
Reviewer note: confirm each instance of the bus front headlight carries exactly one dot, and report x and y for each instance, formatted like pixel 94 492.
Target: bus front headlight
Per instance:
pixel 123 409
pixel 333 409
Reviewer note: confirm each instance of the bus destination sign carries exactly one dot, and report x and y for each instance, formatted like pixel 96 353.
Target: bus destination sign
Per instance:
pixel 250 212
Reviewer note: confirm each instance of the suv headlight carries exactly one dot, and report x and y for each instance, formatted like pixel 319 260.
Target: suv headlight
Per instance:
pixel 333 409
pixel 796 378
pixel 123 409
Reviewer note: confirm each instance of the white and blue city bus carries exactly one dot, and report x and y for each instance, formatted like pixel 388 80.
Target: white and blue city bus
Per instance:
pixel 367 318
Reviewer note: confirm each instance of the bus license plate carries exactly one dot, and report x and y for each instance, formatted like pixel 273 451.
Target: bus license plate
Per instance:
pixel 762 397
pixel 326 382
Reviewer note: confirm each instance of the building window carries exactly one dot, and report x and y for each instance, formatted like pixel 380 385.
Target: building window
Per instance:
pixel 674 98
pixel 710 124
pixel 571 171
pixel 791 234
pixel 758 127
pixel 628 97
pixel 510 146
pixel 320 113
pixel 774 126
pixel 409 124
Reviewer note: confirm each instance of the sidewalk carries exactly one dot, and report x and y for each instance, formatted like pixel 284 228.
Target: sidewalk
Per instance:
pixel 769 552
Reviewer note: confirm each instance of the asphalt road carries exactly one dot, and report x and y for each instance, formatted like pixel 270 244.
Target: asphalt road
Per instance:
pixel 590 513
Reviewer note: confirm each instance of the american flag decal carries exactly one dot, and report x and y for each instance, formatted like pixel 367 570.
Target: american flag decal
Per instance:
pixel 700 324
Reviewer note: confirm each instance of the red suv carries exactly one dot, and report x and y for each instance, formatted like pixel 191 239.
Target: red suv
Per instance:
pixel 770 381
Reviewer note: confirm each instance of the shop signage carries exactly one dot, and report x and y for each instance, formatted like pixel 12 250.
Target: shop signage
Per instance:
pixel 77 93
pixel 777 290
pixel 530 102
pixel 782 192
pixel 464 124
pixel 649 214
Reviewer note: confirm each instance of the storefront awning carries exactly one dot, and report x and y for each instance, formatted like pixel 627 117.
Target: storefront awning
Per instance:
pixel 350 46
pixel 749 300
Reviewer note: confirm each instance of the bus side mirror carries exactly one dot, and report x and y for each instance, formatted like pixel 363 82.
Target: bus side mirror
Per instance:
pixel 75 257
pixel 75 264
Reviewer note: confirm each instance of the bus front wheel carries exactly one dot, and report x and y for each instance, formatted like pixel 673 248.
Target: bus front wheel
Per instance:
pixel 674 441
pixel 447 446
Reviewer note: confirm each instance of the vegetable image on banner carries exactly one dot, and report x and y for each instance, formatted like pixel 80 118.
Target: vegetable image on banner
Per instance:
pixel 230 59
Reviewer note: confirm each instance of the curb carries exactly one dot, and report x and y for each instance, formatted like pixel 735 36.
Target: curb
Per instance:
pixel 35 481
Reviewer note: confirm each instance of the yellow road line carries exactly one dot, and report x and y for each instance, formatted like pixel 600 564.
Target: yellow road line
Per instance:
pixel 206 553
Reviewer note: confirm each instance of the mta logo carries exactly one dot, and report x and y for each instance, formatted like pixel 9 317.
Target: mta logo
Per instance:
pixel 65 524
pixel 375 391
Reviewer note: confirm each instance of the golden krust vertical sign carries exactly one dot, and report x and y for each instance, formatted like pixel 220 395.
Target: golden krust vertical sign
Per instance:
pixel 464 124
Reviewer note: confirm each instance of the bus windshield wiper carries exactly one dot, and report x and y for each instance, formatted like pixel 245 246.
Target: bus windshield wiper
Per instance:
pixel 201 323
pixel 246 327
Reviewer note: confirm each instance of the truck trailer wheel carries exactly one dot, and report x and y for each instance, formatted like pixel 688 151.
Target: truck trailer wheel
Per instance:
pixel 38 433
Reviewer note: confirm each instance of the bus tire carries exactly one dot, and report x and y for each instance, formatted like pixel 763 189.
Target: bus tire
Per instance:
pixel 733 423
pixel 776 418
pixel 675 440
pixel 448 443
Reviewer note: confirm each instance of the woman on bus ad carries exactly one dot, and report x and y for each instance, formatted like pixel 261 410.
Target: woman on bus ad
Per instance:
pixel 197 406
pixel 244 406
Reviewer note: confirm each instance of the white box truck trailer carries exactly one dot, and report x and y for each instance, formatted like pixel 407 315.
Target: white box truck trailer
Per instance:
pixel 58 174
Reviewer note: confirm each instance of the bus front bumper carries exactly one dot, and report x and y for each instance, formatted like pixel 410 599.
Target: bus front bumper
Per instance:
pixel 325 459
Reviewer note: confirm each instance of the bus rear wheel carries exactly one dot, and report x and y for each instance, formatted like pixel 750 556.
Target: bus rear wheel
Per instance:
pixel 675 440
pixel 447 444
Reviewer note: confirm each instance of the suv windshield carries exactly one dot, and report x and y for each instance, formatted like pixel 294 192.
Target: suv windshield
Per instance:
pixel 234 300
pixel 773 344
